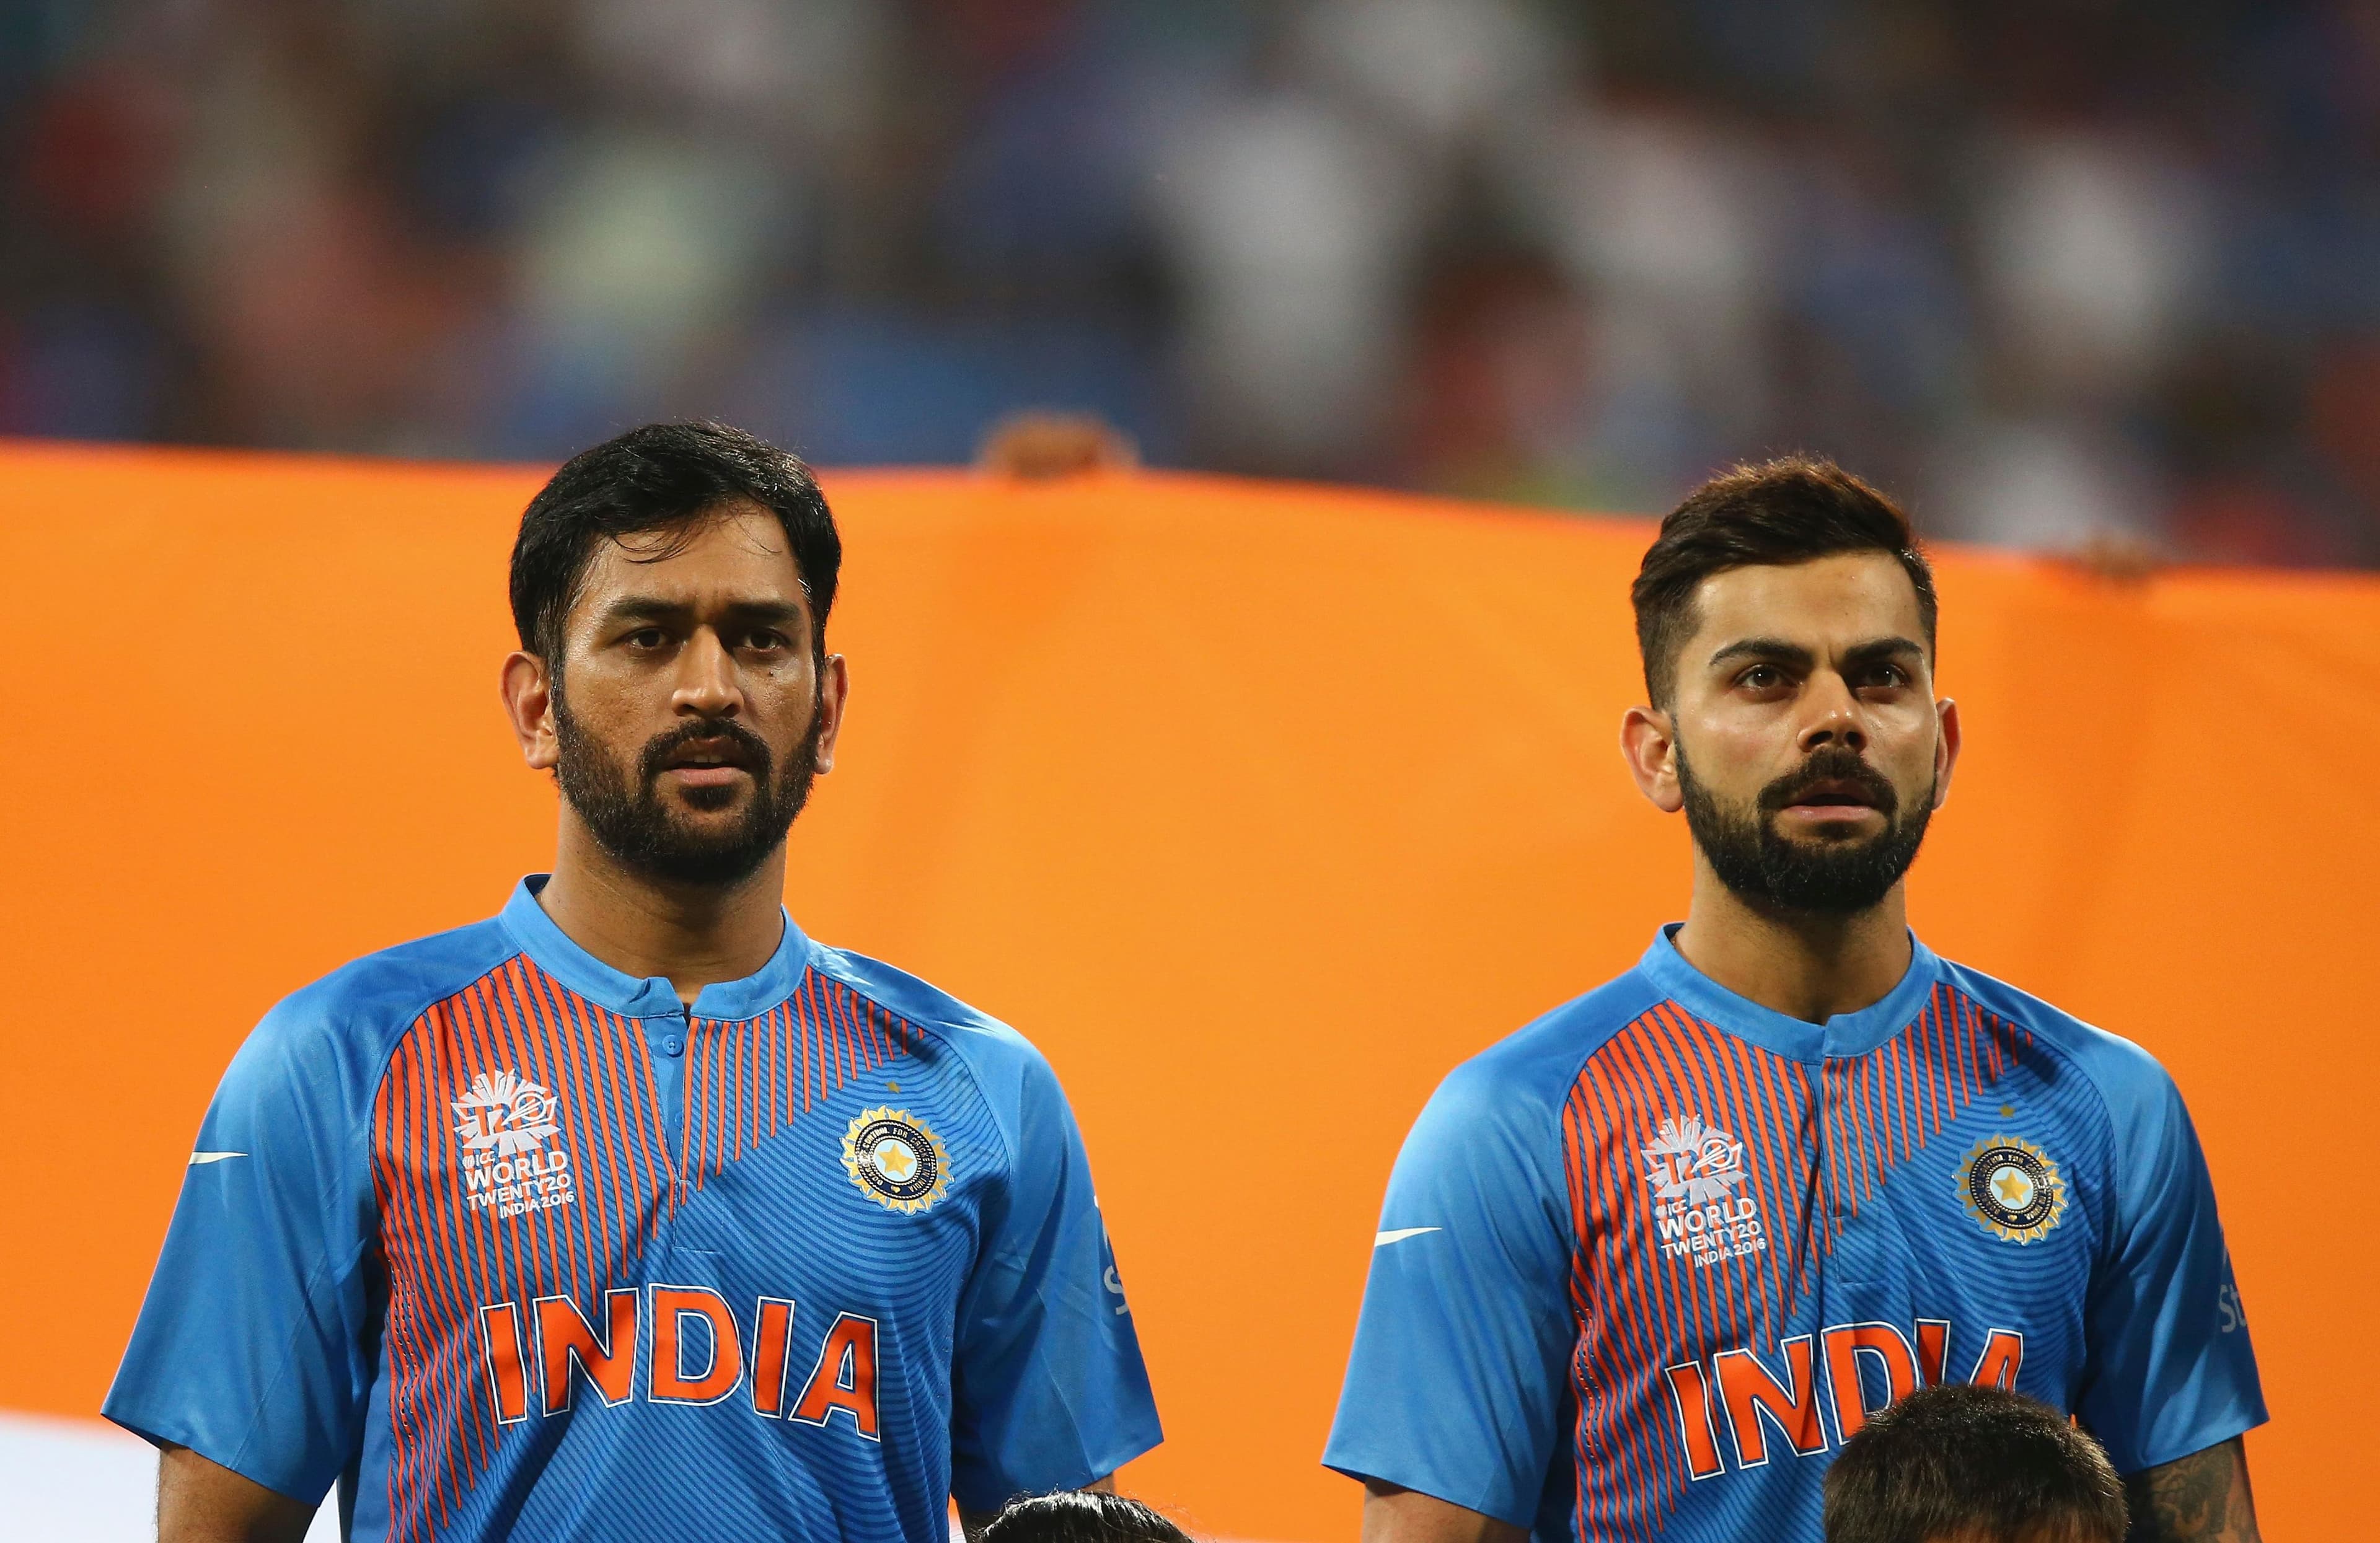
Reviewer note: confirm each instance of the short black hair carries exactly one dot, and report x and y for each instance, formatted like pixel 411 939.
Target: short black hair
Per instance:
pixel 1978 1464
pixel 1782 512
pixel 657 477
pixel 1081 1516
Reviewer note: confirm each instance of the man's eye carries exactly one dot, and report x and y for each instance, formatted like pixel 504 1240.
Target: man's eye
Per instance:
pixel 645 637
pixel 771 640
pixel 1888 675
pixel 1761 677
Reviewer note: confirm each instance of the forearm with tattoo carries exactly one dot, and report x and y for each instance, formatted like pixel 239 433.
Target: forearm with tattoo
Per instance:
pixel 2200 1498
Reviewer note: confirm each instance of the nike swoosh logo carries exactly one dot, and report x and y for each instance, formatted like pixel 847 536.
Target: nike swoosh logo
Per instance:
pixel 1401 1233
pixel 200 1160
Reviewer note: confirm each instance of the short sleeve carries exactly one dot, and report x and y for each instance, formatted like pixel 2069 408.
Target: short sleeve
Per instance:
pixel 255 1345
pixel 1048 1391
pixel 1455 1384
pixel 2169 1369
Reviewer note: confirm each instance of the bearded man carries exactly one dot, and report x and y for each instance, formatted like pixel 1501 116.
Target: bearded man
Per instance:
pixel 633 1213
pixel 1646 1264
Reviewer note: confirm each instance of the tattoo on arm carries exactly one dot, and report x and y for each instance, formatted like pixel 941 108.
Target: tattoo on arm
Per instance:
pixel 2200 1498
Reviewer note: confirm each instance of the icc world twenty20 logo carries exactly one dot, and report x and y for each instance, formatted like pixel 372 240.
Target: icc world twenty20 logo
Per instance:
pixel 1695 1171
pixel 504 1122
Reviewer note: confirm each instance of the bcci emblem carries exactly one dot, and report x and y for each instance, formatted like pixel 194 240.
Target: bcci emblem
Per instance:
pixel 2012 1188
pixel 896 1159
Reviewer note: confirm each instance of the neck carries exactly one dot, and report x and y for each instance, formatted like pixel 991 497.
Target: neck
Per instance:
pixel 1811 967
pixel 690 934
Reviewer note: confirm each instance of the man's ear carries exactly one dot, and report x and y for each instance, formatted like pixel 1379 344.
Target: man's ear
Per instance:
pixel 1648 743
pixel 528 690
pixel 833 697
pixel 1945 749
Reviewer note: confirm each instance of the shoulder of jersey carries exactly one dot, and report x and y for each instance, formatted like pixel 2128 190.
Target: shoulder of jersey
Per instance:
pixel 983 1040
pixel 378 996
pixel 1544 1056
pixel 2122 1069
pixel 331 1040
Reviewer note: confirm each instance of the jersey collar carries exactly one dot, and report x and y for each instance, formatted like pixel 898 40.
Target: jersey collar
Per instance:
pixel 652 997
pixel 1846 1034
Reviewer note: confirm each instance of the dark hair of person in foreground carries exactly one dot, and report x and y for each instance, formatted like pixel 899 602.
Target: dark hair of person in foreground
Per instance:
pixel 662 478
pixel 1792 510
pixel 1966 1465
pixel 1081 1516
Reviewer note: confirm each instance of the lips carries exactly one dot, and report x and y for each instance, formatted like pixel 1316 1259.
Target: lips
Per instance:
pixel 1834 792
pixel 1833 784
pixel 707 755
pixel 703 755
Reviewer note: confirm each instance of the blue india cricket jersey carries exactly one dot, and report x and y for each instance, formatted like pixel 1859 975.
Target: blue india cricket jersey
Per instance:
pixel 1645 1264
pixel 514 1245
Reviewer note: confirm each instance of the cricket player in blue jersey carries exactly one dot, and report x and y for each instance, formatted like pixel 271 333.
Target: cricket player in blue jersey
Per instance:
pixel 1645 1264
pixel 633 1213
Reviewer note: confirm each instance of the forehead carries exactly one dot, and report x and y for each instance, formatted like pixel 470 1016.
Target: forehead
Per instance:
pixel 737 554
pixel 1849 598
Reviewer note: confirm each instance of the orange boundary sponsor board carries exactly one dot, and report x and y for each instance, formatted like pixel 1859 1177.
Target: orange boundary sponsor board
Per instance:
pixel 1256 806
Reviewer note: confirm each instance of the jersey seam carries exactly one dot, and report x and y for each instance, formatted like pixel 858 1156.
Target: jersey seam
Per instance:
pixel 247 1447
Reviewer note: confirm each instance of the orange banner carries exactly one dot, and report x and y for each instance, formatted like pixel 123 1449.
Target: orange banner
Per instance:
pixel 1256 806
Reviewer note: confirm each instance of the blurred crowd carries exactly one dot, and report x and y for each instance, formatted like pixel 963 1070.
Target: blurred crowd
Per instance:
pixel 2052 271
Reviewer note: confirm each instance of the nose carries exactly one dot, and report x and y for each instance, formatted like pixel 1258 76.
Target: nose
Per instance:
pixel 1831 715
pixel 706 685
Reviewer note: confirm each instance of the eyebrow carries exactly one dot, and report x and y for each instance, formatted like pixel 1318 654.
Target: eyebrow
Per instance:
pixel 653 608
pixel 1779 650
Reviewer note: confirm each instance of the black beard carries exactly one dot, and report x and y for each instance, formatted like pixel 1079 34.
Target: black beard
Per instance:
pixel 630 822
pixel 1828 876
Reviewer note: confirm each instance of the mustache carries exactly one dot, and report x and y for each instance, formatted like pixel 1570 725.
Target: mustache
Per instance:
pixel 749 745
pixel 1831 763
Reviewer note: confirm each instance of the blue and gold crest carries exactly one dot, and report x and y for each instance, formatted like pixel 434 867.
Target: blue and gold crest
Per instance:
pixel 2012 1189
pixel 896 1159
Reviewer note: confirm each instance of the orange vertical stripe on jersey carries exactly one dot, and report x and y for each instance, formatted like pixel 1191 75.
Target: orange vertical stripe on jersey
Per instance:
pixel 804 998
pixel 743 1034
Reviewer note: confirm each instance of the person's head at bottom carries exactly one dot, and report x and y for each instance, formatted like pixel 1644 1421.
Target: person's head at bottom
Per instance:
pixel 1081 1516
pixel 1965 1464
